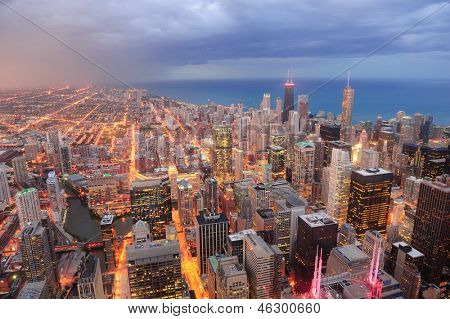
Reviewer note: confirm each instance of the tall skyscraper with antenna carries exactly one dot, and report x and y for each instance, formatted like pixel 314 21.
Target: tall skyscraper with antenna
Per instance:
pixel 288 97
pixel 347 111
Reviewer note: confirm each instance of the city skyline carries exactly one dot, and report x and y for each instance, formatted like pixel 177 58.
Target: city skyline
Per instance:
pixel 272 188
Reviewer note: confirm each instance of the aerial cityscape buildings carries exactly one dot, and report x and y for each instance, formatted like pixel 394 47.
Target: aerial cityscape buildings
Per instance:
pixel 118 193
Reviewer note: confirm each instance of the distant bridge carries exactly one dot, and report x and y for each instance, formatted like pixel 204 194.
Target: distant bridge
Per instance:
pixel 78 246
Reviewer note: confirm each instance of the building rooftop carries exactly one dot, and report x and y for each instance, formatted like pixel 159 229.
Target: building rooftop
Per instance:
pixel 184 184
pixel 240 235
pixel 317 219
pixel 107 219
pixel 151 249
pixel 28 190
pixel 372 172
pixel 409 250
pixel 258 246
pixel 230 270
pixel 211 219
pixel 265 213
pixel 151 181
pixel 351 254
pixel 305 144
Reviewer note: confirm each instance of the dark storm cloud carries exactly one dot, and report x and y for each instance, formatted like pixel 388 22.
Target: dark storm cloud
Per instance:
pixel 141 40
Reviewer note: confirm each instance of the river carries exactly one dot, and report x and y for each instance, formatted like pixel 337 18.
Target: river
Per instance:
pixel 86 227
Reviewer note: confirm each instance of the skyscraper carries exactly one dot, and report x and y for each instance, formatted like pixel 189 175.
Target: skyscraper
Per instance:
pixel 185 202
pixel 5 193
pixel 405 263
pixel 339 186
pixel 288 98
pixel 303 106
pixel 211 237
pixel 431 226
pixel 154 269
pixel 238 163
pixel 151 202
pixel 372 240
pixel 222 152
pixel 369 159
pixel 263 264
pixel 90 283
pixel 36 254
pixel 227 278
pixel 56 197
pixel 28 206
pixel 303 171
pixel 54 138
pixel 265 103
pixel 315 231
pixel 108 234
pixel 368 206
pixel 235 243
pixel 233 283
pixel 277 158
pixel 20 169
pixel 211 195
pixel 347 110
pixel 65 159
pixel 259 198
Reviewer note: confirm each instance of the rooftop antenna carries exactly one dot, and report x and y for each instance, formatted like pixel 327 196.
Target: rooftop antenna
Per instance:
pixel 348 77
pixel 292 75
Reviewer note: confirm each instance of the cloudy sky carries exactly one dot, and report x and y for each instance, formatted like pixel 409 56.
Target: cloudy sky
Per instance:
pixel 151 40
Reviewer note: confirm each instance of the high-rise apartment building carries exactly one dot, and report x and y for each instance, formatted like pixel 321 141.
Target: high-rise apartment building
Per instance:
pixel 238 156
pixel 185 202
pixel 339 186
pixel 56 197
pixel 65 159
pixel 54 138
pixel 20 169
pixel 368 207
pixel 102 193
pixel 108 234
pixel 28 206
pixel 5 192
pixel 303 171
pixel 36 254
pixel 222 152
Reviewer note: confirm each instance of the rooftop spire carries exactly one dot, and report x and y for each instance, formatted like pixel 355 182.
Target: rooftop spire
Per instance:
pixel 348 77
